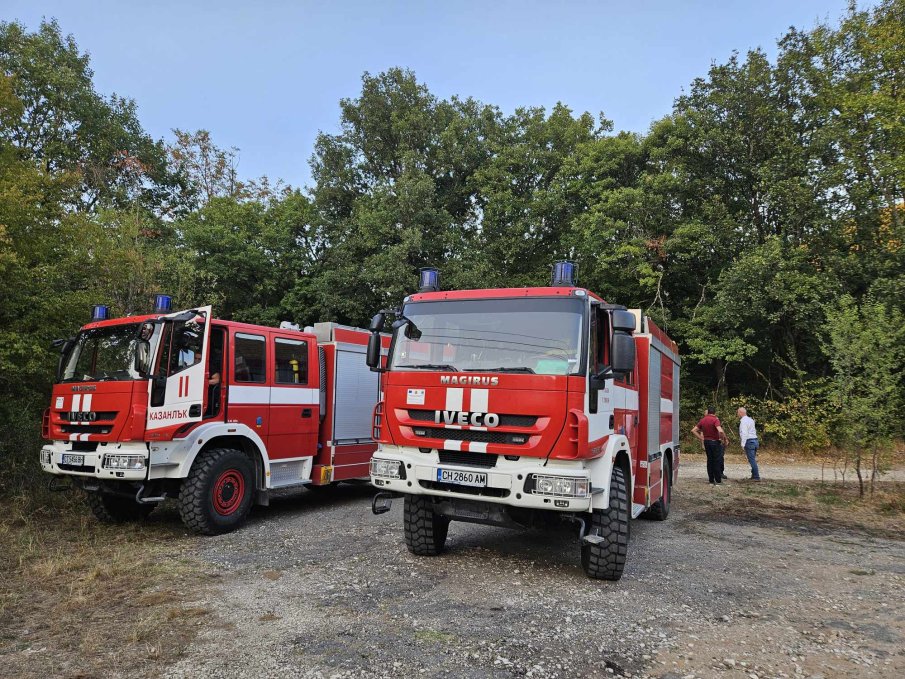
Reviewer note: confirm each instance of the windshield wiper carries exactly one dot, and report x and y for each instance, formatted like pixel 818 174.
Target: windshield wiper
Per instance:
pixel 506 369
pixel 428 366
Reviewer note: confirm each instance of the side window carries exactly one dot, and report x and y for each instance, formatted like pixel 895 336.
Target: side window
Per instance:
pixel 251 358
pixel 291 361
pixel 184 345
pixel 599 340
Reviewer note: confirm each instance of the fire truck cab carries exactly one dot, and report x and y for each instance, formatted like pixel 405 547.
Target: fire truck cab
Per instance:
pixel 522 406
pixel 213 413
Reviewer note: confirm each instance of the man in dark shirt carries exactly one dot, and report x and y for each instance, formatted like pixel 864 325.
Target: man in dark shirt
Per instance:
pixel 710 432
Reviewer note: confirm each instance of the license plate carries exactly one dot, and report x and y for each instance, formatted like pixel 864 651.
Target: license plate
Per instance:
pixel 477 479
pixel 73 459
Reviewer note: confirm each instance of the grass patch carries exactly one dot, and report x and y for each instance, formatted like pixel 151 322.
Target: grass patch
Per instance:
pixel 80 598
pixel 821 504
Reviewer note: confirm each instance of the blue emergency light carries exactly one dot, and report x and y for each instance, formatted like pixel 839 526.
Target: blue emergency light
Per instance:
pixel 563 274
pixel 429 280
pixel 163 304
pixel 99 312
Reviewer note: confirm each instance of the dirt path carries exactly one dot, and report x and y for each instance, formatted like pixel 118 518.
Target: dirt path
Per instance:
pixel 318 586
pixel 696 467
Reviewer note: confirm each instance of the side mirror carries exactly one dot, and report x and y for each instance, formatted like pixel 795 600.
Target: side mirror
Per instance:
pixel 622 353
pixel 623 321
pixel 373 354
pixel 377 322
pixel 411 331
pixel 63 345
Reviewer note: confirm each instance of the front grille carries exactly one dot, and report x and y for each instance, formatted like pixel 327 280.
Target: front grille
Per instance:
pixel 470 490
pixel 486 460
pixel 83 468
pixel 505 420
pixel 85 429
pixel 100 416
pixel 471 435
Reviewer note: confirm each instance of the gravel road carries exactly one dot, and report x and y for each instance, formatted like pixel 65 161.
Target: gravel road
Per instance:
pixel 315 585
pixel 696 467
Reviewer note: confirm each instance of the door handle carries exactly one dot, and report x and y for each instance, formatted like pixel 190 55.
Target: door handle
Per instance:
pixel 306 412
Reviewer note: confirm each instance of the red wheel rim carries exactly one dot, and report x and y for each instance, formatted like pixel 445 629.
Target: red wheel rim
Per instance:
pixel 229 490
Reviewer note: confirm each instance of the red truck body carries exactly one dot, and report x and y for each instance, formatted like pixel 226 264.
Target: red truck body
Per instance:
pixel 142 401
pixel 503 398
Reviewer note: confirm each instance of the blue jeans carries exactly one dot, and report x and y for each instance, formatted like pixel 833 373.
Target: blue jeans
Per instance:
pixel 751 446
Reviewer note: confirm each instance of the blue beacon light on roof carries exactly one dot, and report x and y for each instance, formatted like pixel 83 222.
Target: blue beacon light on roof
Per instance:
pixel 563 274
pixel 99 312
pixel 163 304
pixel 429 280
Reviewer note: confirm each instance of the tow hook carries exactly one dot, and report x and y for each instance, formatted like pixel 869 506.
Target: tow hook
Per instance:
pixel 382 502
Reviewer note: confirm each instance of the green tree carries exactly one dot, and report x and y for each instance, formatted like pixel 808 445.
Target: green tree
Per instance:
pixel 865 344
pixel 67 127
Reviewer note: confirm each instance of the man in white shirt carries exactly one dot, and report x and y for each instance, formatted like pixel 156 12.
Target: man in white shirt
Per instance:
pixel 747 435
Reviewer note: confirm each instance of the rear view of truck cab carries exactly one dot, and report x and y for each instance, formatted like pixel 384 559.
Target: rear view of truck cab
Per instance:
pixel 214 414
pixel 524 406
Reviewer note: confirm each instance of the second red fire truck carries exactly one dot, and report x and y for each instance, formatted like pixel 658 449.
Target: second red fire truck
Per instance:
pixel 213 413
pixel 522 406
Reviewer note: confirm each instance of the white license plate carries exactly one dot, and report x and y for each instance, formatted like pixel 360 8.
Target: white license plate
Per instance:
pixel 73 459
pixel 477 479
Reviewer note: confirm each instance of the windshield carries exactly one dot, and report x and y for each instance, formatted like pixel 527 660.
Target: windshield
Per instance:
pixel 527 335
pixel 106 354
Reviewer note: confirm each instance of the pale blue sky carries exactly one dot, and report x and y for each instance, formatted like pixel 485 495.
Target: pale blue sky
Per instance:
pixel 266 76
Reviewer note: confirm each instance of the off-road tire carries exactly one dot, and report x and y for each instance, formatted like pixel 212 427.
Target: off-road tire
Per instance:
pixel 217 494
pixel 606 560
pixel 116 508
pixel 660 509
pixel 425 531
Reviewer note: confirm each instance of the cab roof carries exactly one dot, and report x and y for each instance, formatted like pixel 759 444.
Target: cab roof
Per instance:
pixel 501 293
pixel 126 320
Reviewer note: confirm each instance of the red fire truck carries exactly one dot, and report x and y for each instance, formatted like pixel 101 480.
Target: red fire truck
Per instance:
pixel 213 413
pixel 521 406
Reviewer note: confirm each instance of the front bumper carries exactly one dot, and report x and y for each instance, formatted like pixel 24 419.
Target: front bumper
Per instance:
pixel 92 462
pixel 506 482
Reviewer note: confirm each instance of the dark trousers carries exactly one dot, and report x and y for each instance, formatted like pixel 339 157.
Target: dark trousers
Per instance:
pixel 714 451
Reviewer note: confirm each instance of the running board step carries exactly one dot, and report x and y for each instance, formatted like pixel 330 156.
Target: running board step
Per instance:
pixel 637 509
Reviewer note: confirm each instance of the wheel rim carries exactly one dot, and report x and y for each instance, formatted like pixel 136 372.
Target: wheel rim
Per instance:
pixel 229 491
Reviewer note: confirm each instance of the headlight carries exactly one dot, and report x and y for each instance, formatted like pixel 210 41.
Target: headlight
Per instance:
pixel 387 469
pixel 45 457
pixel 124 461
pixel 558 486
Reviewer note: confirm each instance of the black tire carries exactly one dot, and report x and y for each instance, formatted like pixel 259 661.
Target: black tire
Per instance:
pixel 660 509
pixel 217 494
pixel 605 561
pixel 425 531
pixel 116 508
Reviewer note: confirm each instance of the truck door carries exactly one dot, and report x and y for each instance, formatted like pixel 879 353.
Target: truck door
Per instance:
pixel 602 402
pixel 248 394
pixel 177 389
pixel 294 397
